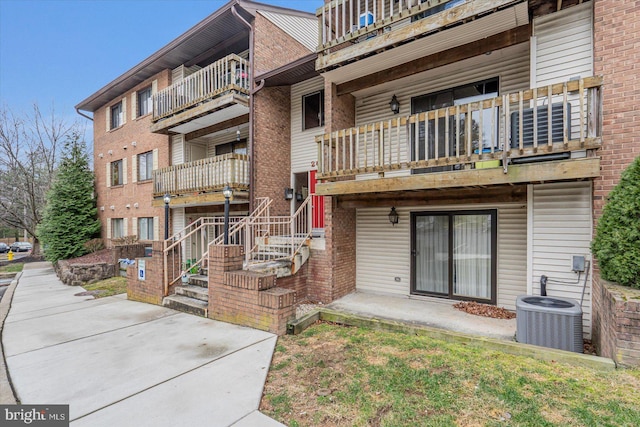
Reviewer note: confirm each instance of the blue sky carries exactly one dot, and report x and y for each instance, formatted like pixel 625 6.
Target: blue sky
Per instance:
pixel 59 52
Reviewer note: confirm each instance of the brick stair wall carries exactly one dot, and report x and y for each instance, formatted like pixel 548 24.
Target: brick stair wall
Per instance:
pixel 246 298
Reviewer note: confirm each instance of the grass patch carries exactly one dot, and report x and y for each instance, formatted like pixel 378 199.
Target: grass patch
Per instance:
pixel 108 287
pixel 12 268
pixel 332 375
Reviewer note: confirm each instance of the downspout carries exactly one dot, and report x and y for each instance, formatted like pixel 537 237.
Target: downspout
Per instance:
pixel 251 93
pixel 83 115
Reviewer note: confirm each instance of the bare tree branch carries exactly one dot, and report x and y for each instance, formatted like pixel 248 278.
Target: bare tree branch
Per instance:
pixel 29 148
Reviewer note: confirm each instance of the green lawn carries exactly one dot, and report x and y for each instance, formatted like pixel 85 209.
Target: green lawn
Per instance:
pixel 108 287
pixel 333 375
pixel 12 268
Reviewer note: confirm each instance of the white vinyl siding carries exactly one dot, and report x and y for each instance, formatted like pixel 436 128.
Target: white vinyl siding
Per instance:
pixel 564 45
pixel 134 227
pixel 562 227
pixel 177 149
pixel 510 66
pixel 155 158
pixel 304 149
pixel 177 220
pixel 108 235
pixel 512 254
pixel 378 265
pixel 108 180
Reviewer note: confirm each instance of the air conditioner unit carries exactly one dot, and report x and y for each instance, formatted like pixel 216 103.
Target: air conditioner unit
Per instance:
pixel 549 322
pixel 543 125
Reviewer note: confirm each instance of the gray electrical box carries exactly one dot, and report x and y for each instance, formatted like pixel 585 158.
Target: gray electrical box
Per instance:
pixel 578 263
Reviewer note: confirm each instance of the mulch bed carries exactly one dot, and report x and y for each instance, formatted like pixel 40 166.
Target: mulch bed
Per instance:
pixel 97 257
pixel 485 310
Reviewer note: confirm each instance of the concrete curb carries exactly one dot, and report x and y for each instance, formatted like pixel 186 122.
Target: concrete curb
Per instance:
pixel 7 395
pixel 510 347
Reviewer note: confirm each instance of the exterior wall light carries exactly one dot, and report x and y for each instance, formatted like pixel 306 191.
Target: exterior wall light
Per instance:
pixel 394 105
pixel 393 216
pixel 227 192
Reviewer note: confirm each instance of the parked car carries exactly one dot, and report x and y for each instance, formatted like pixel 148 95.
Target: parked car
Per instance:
pixel 3 248
pixel 21 247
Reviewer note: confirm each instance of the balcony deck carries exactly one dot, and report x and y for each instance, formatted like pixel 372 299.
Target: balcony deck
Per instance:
pixel 491 142
pixel 202 181
pixel 353 29
pixel 214 94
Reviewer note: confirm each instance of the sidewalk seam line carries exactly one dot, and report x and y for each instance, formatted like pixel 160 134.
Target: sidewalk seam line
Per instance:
pixel 173 378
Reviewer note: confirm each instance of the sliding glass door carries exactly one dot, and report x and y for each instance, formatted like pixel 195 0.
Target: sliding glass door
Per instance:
pixel 454 254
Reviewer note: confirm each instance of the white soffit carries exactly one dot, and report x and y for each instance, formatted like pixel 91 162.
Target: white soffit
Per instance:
pixel 211 119
pixel 478 29
pixel 303 30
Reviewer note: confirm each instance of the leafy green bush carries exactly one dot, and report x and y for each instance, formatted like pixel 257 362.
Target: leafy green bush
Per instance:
pixel 617 241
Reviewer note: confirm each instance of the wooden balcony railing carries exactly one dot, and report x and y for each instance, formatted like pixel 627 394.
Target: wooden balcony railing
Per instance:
pixel 211 174
pixel 504 128
pixel 344 20
pixel 230 73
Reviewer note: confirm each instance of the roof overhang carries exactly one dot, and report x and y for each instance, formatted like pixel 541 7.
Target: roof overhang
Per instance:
pixel 215 29
pixel 295 72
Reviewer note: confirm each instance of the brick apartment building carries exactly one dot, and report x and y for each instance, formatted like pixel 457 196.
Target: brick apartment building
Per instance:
pixel 462 149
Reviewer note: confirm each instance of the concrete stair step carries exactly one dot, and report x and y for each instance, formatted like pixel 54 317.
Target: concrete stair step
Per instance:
pixel 199 280
pixel 186 305
pixel 193 291
pixel 281 268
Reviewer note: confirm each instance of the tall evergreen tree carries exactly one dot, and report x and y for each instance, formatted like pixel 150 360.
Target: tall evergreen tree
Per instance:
pixel 70 216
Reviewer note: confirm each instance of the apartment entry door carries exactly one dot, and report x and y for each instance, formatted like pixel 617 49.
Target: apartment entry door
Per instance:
pixel 454 255
pixel 317 204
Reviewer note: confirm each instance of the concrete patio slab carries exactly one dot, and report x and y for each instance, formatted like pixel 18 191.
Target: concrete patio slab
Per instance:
pixel 431 312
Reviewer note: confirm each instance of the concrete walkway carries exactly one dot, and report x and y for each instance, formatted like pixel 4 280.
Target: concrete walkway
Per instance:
pixel 123 363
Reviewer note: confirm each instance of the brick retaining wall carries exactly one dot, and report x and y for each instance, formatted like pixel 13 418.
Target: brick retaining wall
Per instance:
pixel 616 322
pixel 244 297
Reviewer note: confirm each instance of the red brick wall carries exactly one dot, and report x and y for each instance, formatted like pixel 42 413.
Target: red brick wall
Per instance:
pixel 616 323
pixel 115 140
pixel 272 146
pixel 617 59
pixel 332 272
pixel 273 47
pixel 150 290
pixel 246 298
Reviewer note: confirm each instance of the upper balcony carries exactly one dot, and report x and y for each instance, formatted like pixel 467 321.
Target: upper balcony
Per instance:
pixel 202 181
pixel 374 35
pixel 504 140
pixel 212 95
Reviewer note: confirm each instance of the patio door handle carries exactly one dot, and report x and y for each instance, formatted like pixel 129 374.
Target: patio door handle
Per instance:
pixel 414 252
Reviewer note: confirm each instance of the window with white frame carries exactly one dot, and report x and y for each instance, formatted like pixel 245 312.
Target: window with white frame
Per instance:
pixel 145 166
pixel 117 228
pixel 313 110
pixel 116 173
pixel 117 115
pixel 145 228
pixel 144 102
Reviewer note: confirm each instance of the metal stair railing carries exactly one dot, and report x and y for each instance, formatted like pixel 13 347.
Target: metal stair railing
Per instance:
pixel 186 250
